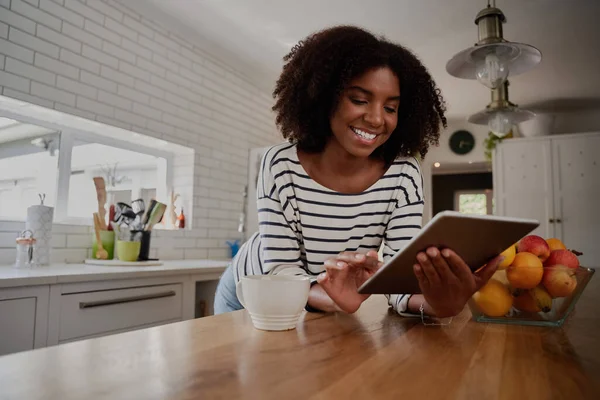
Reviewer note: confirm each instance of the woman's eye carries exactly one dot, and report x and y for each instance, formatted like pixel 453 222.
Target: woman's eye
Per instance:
pixel 390 110
pixel 357 101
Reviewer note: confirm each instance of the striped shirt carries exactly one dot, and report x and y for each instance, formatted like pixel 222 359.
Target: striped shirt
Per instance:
pixel 302 223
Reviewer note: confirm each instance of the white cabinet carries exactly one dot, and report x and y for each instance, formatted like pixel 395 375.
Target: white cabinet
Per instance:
pixel 24 313
pixel 554 179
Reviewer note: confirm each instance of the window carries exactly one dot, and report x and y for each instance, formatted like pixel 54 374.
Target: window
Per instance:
pixel 479 202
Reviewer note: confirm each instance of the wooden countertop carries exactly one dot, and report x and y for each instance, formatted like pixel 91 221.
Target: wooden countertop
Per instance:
pixel 371 354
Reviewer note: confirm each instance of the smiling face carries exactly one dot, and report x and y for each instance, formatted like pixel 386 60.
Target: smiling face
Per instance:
pixel 367 112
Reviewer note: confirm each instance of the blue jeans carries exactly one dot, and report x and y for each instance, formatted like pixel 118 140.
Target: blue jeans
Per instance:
pixel 225 297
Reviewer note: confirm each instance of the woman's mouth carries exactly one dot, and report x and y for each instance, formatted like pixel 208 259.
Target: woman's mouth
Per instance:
pixel 365 136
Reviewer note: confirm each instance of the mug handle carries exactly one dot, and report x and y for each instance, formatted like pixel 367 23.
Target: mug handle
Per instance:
pixel 239 293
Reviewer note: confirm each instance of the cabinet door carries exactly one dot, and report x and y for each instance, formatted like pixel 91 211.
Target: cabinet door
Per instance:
pixel 18 325
pixel 576 194
pixel 523 174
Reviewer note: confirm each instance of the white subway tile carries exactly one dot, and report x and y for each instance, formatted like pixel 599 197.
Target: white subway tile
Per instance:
pixel 2 61
pixel 192 55
pixel 28 71
pixel 82 35
pixel 205 243
pixel 50 64
pixel 75 241
pixel 68 255
pixel 136 48
pixel 35 14
pixel 219 254
pixel 84 10
pixel 173 56
pixel 134 71
pixel 159 127
pixel 177 100
pixel 121 29
pixel 8 256
pixel 137 26
pixel 170 253
pixel 12 226
pixel 3 30
pixel 118 52
pixel 124 9
pixel 196 233
pixel 33 2
pixel 150 66
pixel 113 122
pixel 47 92
pixel 166 42
pixel 133 94
pixel 117 101
pixel 31 42
pixel 152 45
pixel 101 31
pixel 8 240
pixel 195 254
pixel 99 56
pixel 148 112
pixel 130 118
pixel 163 62
pixel 75 111
pixel 59 240
pixel 150 89
pixel 59 39
pixel 5 3
pixel 14 82
pixel 163 105
pixel 98 82
pixel 106 10
pixel 76 87
pixel 95 107
pixel 65 228
pixel 61 12
pixel 163 84
pixel 116 76
pixel 78 61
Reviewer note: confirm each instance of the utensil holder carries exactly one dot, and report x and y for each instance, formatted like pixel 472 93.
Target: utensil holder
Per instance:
pixel 108 243
pixel 144 238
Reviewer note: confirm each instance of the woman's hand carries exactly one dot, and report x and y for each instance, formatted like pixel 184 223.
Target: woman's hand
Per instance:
pixel 446 282
pixel 344 274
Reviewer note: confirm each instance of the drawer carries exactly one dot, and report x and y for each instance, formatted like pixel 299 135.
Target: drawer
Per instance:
pixel 17 325
pixel 93 313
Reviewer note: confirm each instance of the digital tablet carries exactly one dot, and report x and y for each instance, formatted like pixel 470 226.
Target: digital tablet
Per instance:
pixel 475 238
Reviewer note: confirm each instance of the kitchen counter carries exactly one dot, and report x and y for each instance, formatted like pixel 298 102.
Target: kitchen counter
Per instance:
pixel 371 354
pixel 70 273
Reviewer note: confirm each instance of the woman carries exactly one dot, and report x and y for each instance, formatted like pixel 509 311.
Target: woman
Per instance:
pixel 357 112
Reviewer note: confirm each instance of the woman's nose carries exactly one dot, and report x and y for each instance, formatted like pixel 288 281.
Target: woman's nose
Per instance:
pixel 374 117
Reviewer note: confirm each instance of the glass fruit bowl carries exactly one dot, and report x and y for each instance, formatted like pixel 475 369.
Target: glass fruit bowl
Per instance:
pixel 549 303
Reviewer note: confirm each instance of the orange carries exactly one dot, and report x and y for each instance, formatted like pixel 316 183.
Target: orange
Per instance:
pixel 525 302
pixel 526 271
pixel 494 299
pixel 509 256
pixel 555 244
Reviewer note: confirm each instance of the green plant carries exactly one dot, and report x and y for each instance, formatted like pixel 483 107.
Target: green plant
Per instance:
pixel 491 142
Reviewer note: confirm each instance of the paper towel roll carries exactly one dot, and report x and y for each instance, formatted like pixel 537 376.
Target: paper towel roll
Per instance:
pixel 39 221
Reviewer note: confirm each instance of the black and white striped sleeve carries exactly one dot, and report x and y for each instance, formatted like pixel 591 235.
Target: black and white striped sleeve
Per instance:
pixel 405 222
pixel 277 222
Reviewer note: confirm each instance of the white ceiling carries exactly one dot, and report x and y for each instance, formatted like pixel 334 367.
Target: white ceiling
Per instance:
pixel 256 34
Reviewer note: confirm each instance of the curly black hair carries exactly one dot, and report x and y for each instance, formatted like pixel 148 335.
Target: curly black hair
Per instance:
pixel 318 69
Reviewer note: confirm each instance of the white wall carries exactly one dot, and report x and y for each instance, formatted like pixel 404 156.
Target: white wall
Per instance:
pixel 103 61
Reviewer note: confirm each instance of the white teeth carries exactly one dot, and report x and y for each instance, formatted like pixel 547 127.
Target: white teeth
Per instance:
pixel 364 134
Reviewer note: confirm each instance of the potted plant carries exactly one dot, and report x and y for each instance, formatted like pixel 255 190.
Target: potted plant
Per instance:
pixel 491 142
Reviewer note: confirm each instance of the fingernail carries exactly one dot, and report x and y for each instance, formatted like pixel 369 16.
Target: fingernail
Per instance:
pixel 358 256
pixel 446 253
pixel 432 252
pixel 422 257
pixel 321 276
pixel 341 264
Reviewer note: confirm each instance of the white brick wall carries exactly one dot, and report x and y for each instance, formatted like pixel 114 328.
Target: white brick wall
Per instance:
pixel 101 60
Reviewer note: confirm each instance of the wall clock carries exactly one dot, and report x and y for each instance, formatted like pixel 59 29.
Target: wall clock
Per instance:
pixel 462 142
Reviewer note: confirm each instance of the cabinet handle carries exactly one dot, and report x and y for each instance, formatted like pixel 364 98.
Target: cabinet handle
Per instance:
pixel 558 220
pixel 551 220
pixel 100 303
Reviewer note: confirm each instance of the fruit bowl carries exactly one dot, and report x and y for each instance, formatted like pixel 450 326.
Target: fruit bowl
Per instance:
pixel 554 315
pixel 538 282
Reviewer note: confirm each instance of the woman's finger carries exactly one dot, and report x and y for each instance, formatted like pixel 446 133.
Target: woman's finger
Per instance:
pixel 428 269
pixel 459 267
pixel 441 266
pixel 484 274
pixel 423 282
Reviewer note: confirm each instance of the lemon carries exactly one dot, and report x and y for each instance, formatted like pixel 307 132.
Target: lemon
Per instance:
pixel 494 299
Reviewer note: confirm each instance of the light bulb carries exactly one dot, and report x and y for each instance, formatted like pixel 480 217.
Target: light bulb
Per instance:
pixel 491 71
pixel 500 124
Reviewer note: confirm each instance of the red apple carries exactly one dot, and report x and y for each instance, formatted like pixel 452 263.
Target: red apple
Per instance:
pixel 562 257
pixel 535 245
pixel 559 280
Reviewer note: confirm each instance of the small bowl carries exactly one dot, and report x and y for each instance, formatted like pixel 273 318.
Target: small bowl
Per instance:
pixel 560 310
pixel 128 251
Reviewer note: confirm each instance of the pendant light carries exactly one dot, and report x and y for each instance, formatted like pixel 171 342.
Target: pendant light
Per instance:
pixel 492 59
pixel 500 115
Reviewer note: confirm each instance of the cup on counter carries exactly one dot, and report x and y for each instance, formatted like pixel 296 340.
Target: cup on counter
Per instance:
pixel 128 250
pixel 108 243
pixel 274 302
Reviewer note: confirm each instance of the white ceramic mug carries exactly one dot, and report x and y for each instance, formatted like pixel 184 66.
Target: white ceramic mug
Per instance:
pixel 274 302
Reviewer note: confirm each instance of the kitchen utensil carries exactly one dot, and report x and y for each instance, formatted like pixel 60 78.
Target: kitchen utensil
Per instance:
pixel 111 217
pixel 155 215
pixel 101 196
pixel 146 216
pixel 100 253
pixel 138 206
pixel 124 213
